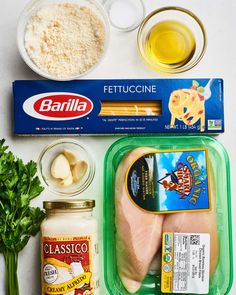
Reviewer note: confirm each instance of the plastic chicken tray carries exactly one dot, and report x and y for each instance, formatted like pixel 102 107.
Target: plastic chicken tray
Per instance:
pixel 129 247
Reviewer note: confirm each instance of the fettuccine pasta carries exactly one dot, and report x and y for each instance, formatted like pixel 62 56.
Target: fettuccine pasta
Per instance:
pixel 188 106
pixel 130 108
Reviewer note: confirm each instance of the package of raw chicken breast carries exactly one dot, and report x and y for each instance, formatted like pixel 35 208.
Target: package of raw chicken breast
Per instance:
pixel 167 216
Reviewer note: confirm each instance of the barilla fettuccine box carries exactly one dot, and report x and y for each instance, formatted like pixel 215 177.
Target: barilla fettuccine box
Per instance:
pixel 118 107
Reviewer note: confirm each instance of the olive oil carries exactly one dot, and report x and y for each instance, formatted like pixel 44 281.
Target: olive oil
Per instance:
pixel 170 43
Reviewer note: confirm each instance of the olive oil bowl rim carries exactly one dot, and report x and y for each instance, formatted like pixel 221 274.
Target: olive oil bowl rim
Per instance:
pixel 184 67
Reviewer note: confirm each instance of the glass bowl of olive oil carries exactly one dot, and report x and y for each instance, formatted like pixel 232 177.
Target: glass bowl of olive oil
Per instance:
pixel 172 40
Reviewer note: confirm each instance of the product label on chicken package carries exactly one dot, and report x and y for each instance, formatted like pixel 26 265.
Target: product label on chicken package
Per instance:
pixel 185 263
pixel 170 181
pixel 67 266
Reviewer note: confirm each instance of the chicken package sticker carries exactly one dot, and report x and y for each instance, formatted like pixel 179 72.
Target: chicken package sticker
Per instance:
pixel 67 265
pixel 170 181
pixel 185 263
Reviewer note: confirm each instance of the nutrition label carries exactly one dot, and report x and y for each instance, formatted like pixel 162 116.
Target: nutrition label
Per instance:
pixel 185 263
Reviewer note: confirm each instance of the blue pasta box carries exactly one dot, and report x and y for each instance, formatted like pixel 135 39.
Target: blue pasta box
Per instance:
pixel 114 107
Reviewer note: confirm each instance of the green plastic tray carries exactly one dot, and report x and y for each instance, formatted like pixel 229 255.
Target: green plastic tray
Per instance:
pixel 221 281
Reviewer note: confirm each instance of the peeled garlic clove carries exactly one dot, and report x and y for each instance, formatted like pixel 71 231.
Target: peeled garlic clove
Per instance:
pixel 79 170
pixel 71 157
pixel 60 167
pixel 68 181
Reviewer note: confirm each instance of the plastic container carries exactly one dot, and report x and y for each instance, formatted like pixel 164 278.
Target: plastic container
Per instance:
pixel 221 280
pixel 178 14
pixel 46 158
pixel 32 8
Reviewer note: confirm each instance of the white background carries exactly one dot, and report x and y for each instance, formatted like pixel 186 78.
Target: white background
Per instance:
pixel 121 61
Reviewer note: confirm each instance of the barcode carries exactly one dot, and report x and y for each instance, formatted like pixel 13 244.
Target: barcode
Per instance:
pixel 195 240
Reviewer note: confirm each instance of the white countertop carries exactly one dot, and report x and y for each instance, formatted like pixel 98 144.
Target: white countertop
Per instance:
pixel 219 61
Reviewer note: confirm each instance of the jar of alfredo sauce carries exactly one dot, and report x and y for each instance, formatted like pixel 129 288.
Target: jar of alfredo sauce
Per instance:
pixel 70 248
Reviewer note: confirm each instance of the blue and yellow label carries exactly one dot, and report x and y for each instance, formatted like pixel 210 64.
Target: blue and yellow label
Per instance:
pixel 167 263
pixel 170 181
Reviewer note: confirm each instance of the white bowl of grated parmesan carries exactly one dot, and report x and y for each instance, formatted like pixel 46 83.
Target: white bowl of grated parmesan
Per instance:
pixel 63 40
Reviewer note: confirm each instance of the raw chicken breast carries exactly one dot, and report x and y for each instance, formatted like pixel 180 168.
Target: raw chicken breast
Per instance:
pixel 155 265
pixel 139 233
pixel 199 222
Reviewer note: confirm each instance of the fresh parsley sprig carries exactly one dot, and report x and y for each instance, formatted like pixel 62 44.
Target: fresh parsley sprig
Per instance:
pixel 18 221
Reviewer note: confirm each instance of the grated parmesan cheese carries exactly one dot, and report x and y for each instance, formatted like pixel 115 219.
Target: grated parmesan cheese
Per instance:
pixel 65 39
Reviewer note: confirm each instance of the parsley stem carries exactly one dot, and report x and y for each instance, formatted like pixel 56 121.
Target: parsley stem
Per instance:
pixel 12 287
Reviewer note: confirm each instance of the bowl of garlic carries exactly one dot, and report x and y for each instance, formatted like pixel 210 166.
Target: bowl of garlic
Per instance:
pixel 66 168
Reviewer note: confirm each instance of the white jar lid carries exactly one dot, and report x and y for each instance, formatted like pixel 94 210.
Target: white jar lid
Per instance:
pixel 125 15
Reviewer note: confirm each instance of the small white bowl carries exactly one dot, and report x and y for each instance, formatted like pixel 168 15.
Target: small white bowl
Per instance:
pixel 32 8
pixel 46 158
pixel 125 15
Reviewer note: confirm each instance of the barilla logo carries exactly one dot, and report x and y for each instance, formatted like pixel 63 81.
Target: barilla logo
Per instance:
pixel 58 106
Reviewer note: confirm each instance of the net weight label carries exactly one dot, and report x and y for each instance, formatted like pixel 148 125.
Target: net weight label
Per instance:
pixel 185 263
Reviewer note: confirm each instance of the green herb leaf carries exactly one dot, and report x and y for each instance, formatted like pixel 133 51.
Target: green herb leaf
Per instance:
pixel 18 221
pixel 201 89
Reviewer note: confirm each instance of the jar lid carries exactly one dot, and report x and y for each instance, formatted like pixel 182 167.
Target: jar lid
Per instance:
pixel 125 15
pixel 69 204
